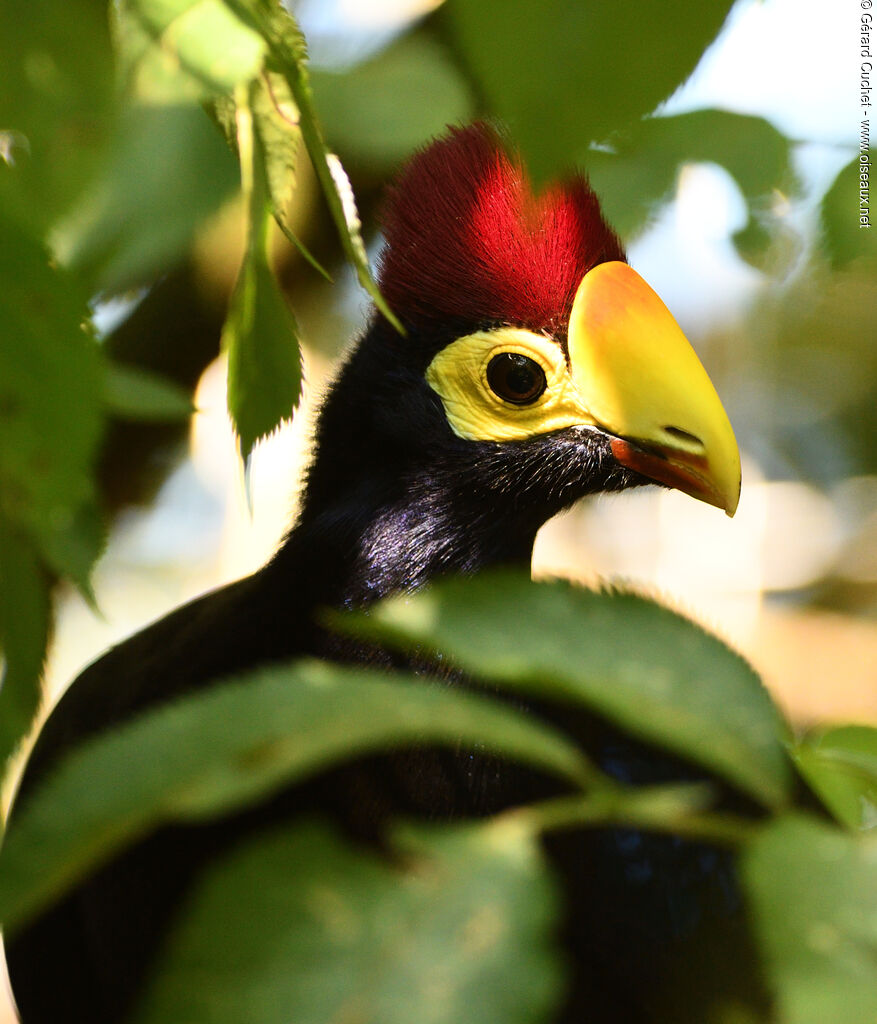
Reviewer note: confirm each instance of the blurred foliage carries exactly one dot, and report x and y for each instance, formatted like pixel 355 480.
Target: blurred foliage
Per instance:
pixel 595 652
pixel 231 745
pixel 842 232
pixel 377 112
pixel 111 167
pixel 380 940
pixel 841 766
pixel 117 237
pixel 811 409
pixel 564 75
pixel 141 395
pixel 387 931
pixel 813 894
pixel 56 94
pixel 635 175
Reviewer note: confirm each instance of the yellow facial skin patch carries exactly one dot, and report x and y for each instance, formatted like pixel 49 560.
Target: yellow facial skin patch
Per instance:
pixel 633 375
pixel 458 375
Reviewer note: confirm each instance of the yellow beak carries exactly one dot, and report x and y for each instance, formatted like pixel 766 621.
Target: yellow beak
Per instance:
pixel 643 383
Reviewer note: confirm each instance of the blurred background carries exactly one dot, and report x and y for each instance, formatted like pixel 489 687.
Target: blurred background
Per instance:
pixel 738 200
pixel 748 228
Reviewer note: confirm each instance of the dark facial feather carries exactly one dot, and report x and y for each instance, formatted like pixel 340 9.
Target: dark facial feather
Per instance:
pixel 468 241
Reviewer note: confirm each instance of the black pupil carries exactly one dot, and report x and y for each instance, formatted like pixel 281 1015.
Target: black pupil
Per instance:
pixel 515 378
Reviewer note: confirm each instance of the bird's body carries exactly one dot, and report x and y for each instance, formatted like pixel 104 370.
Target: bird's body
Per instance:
pixel 410 482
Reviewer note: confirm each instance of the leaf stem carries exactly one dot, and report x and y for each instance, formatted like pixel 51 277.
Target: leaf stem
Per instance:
pixel 676 809
pixel 290 63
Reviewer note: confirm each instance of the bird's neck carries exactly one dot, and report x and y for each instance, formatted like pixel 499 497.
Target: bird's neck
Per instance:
pixel 386 536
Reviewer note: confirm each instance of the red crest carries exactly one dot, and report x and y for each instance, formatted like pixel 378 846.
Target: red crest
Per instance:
pixel 467 239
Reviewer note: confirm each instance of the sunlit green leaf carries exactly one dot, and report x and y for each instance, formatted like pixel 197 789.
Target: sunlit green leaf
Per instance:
pixel 226 747
pixel 24 632
pixel 275 127
pixel 260 334
pixel 298 926
pixel 177 50
pixel 264 369
pixel 565 73
pixel 840 765
pixel 276 123
pixel 132 393
pixel 289 58
pixel 848 230
pixel 813 896
pixel 653 672
pixel 381 110
pixel 169 170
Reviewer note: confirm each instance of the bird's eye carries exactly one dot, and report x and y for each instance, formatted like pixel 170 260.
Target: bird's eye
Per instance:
pixel 515 378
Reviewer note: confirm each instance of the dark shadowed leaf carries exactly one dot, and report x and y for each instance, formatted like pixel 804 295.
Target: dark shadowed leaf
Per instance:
pixel 50 404
pixel 132 393
pixel 379 111
pixel 840 766
pixel 844 236
pixel 214 752
pixel 300 927
pixel 812 891
pixel 653 672
pixel 565 73
pixel 24 632
pixel 169 170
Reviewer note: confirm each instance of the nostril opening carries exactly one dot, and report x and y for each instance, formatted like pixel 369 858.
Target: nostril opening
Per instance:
pixel 683 437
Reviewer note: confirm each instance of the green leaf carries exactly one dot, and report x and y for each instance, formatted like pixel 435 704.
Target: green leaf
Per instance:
pixel 260 333
pixel 264 369
pixel 216 751
pixel 178 50
pixel 299 926
pixel 638 173
pixel 73 546
pixel 753 239
pixel 24 633
pixel 168 171
pixel 275 119
pixel 381 110
pixel 56 95
pixel 288 58
pixel 840 766
pixel 653 672
pixel 275 126
pixel 813 896
pixel 50 409
pixel 132 393
pixel 845 238
pixel 564 74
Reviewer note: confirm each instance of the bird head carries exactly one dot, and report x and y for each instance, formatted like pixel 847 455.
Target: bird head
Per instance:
pixel 536 366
